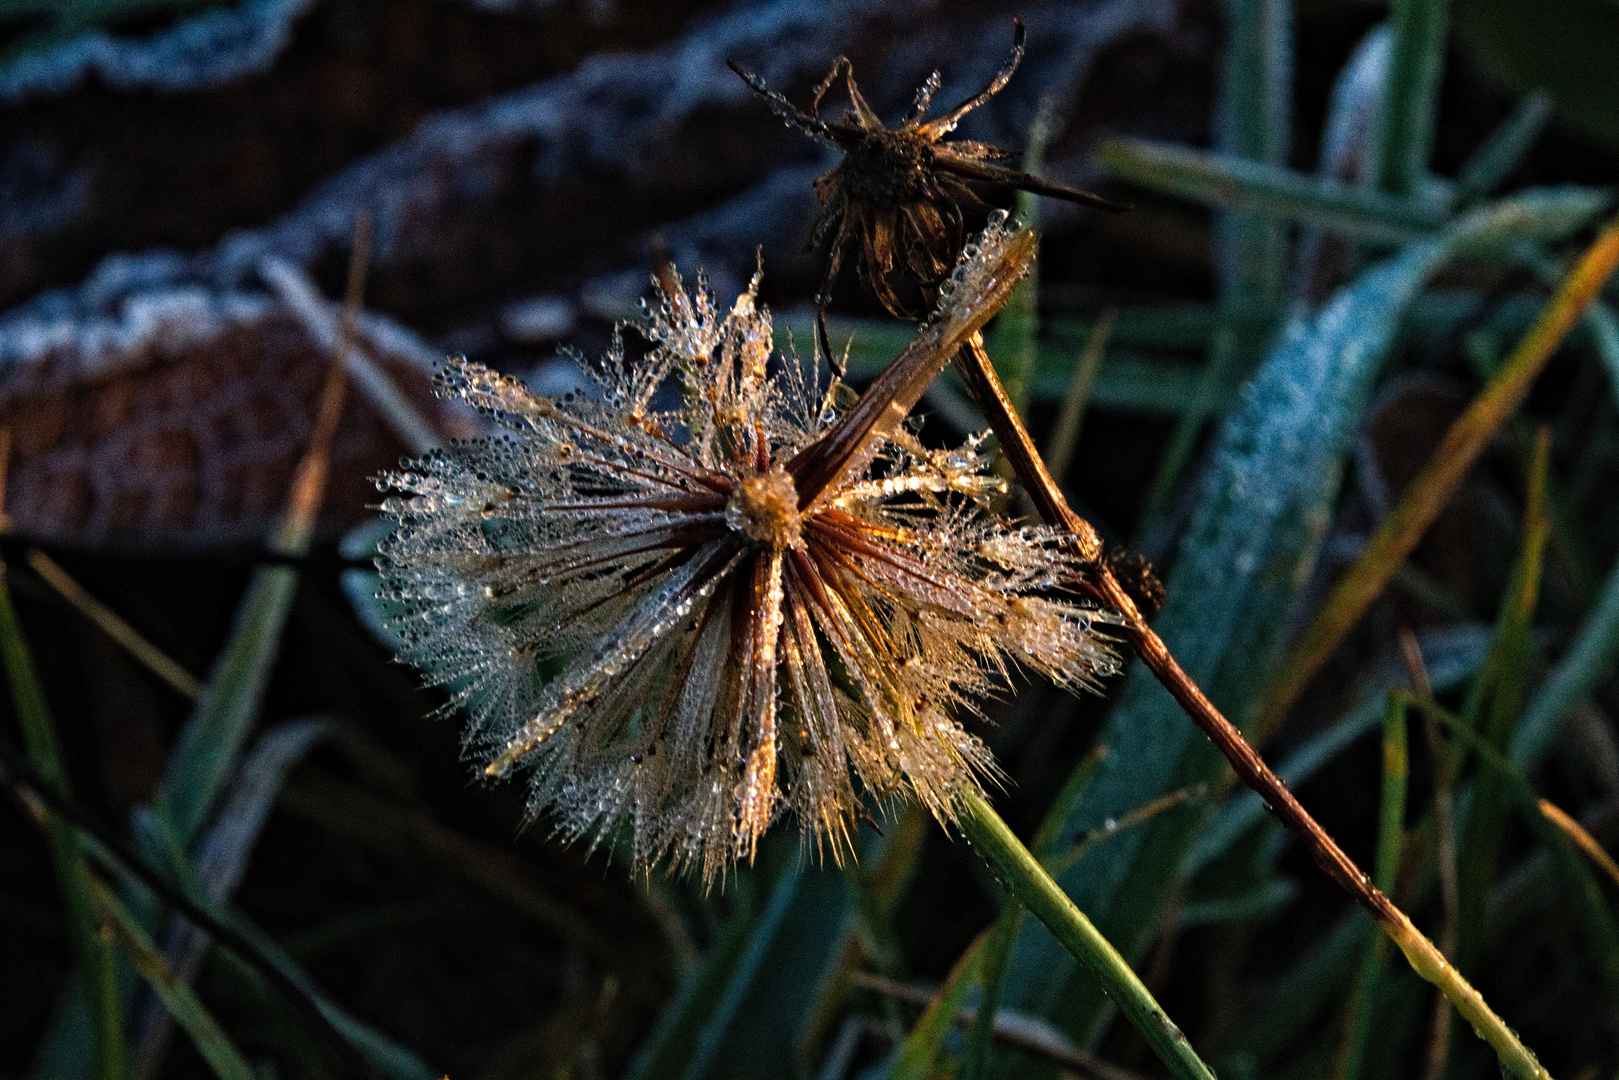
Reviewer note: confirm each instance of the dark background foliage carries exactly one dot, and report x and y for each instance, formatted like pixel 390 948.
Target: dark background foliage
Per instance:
pixel 522 160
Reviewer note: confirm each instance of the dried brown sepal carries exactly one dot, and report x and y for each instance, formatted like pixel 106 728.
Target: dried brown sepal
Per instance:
pixel 897 199
pixel 1137 577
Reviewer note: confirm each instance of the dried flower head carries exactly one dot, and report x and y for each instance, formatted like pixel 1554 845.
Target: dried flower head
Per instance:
pixel 696 618
pixel 898 196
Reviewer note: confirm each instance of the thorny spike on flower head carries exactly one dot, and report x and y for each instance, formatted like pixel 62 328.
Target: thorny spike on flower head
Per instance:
pixel 694 619
pixel 898 196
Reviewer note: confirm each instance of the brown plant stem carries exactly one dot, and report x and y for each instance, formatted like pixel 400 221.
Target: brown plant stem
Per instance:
pixel 1423 956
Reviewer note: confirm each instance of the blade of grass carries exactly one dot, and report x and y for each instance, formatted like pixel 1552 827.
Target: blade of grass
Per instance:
pixel 1346 154
pixel 1245 809
pixel 206 1034
pixel 1253 123
pixel 1500 691
pixel 254 949
pixel 212 740
pixel 740 977
pixel 92 953
pixel 1291 371
pixel 1581 838
pixel 1390 830
pixel 1593 910
pixel 1411 99
pixel 678 1029
pixel 1058 864
pixel 1313 982
pixel 113 625
pixel 1132 382
pixel 1489 165
pixel 888 879
pixel 1021 1030
pixel 1026 879
pixel 919 1054
pixel 326 326
pixel 998 947
pixel 370 1050
pixel 1018 326
pixel 221 860
pixel 1427 495
pixel 1588 663
pixel 346 810
pixel 992 982
pixel 1064 438
pixel 1219 180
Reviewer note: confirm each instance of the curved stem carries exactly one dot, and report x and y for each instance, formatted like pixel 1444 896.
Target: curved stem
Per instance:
pixel 1026 879
pixel 1424 957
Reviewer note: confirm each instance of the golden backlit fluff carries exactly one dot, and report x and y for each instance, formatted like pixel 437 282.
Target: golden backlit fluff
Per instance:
pixel 685 620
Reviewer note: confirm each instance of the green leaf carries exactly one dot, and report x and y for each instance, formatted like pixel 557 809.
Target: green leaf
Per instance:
pixel 1411 97
pixel 1234 588
pixel 156 835
pixel 211 743
pixel 206 1034
pixel 98 977
pixel 1220 180
pixel 1497 697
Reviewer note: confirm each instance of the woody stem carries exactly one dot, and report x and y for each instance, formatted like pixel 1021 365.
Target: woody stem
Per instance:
pixel 979 374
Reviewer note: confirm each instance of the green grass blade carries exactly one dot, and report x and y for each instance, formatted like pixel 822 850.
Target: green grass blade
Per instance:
pixel 741 978
pixel 1390 829
pixel 213 738
pixel 1126 380
pixel 998 945
pixel 1019 324
pixel 1587 664
pixel 98 975
pixel 1411 100
pixel 919 1054
pixel 1447 669
pixel 1500 689
pixel 1253 123
pixel 1426 495
pixel 1296 1000
pixel 1503 150
pixel 1235 585
pixel 992 979
pixel 1219 180
pixel 1590 905
pixel 390 1058
pixel 206 1034
pixel 676 1034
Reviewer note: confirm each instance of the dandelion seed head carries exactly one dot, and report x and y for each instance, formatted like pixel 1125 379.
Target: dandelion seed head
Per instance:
pixel 639 609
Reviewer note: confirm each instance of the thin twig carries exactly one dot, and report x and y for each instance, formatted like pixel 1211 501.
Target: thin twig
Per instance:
pixel 1581 837
pixel 309 481
pixel 1445 819
pixel 295 289
pixel 1423 956
pixel 113 625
